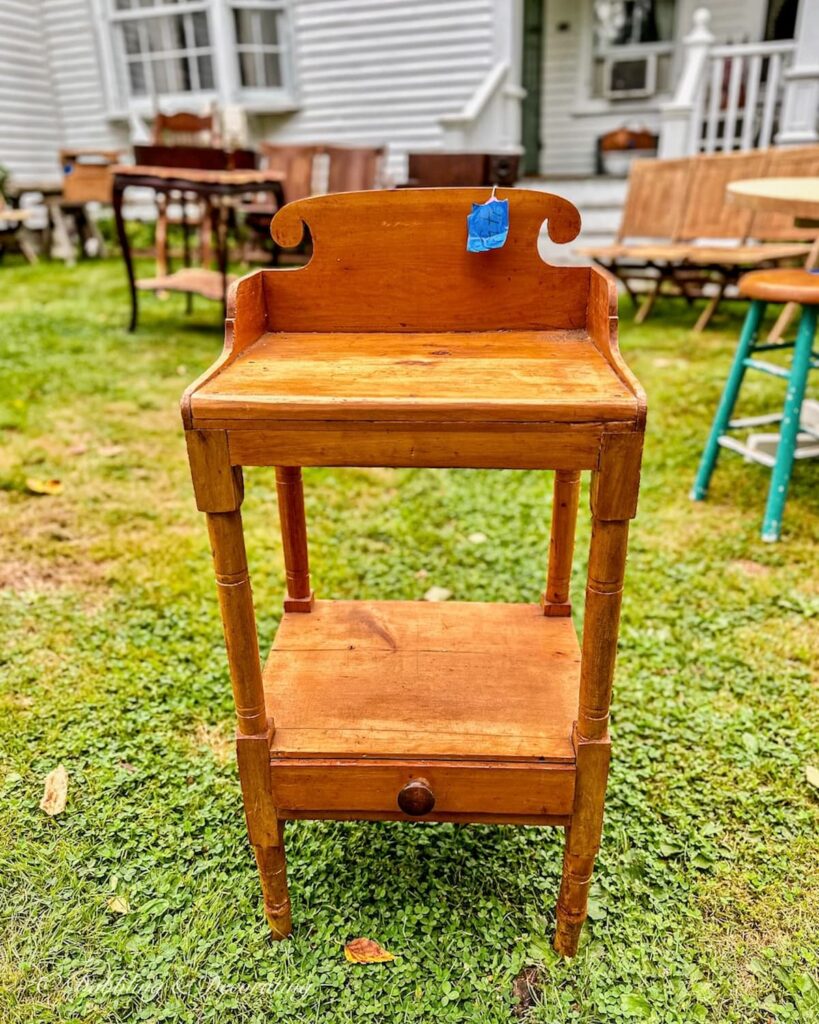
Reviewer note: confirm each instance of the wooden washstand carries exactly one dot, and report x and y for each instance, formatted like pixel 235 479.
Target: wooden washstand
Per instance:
pixel 396 347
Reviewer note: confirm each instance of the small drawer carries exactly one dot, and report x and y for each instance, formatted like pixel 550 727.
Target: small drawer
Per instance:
pixel 429 789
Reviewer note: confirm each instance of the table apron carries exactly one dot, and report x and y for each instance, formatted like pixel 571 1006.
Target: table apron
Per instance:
pixel 494 447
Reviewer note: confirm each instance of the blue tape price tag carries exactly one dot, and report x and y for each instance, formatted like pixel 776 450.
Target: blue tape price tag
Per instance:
pixel 488 225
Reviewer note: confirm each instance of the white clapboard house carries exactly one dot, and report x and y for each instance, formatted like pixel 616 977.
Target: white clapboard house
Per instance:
pixel 547 78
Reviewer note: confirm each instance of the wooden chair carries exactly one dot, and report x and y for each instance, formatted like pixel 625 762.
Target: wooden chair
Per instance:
pixel 87 178
pixel 652 218
pixel 395 346
pixel 800 287
pixel 13 230
pixel 709 242
pixel 353 169
pixel 296 163
pixel 716 234
pixel 184 128
pixel 798 162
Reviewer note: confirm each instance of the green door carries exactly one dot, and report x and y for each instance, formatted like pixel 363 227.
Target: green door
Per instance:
pixel 532 77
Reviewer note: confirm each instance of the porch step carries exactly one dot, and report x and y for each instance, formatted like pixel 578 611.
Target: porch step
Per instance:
pixel 600 202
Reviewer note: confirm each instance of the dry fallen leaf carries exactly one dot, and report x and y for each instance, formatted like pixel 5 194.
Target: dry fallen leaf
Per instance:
pixel 55 791
pixel 366 951
pixel 437 594
pixel 108 451
pixel 77 449
pixel 812 775
pixel 119 905
pixel 35 486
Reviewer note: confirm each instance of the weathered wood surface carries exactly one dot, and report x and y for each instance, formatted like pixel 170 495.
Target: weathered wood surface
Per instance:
pixel 415 678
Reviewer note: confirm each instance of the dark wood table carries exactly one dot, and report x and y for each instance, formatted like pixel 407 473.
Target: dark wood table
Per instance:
pixel 217 188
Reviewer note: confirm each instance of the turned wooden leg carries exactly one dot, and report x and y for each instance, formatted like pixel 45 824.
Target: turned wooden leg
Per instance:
pixel 555 598
pixel 253 739
pixel 289 488
pixel 161 239
pixel 607 559
pixel 582 843
pixel 273 873
pixel 614 500
pixel 218 489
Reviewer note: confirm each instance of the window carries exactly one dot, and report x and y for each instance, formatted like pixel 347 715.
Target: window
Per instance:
pixel 633 48
pixel 164 45
pixel 232 50
pixel 632 22
pixel 259 32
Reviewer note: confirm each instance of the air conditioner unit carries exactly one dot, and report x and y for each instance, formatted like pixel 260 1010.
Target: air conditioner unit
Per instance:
pixel 630 77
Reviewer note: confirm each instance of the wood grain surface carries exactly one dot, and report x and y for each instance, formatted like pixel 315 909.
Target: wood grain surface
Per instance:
pixel 421 679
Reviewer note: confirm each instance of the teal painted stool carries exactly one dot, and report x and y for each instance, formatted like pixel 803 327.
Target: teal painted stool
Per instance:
pixel 762 287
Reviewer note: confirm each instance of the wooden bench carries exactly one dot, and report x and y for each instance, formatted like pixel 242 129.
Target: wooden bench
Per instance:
pixel 395 346
pixel 680 234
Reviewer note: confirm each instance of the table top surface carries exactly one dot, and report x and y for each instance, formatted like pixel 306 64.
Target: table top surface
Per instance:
pixel 796 196
pixel 558 376
pixel 198 176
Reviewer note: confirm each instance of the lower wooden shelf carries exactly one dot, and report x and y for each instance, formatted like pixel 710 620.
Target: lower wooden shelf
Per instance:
pixel 478 700
pixel 189 281
pixel 413 679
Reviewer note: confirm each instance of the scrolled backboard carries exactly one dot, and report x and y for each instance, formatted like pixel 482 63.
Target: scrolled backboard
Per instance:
pixel 396 260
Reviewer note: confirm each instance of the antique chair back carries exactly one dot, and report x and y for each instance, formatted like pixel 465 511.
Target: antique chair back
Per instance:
pixel 295 163
pixel 186 129
pixel 354 169
pixel 707 213
pixel 655 200
pixel 87 174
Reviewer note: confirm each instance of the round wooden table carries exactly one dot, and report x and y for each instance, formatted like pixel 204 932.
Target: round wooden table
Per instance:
pixel 796 196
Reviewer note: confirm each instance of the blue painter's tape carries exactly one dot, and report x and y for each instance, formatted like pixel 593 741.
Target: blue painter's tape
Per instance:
pixel 487 225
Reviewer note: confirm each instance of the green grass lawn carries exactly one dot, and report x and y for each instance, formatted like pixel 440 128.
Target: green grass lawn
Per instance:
pixel 705 904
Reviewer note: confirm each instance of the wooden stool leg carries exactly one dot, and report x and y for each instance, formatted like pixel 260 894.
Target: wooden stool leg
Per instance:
pixel 555 598
pixel 294 538
pixel 785 450
pixel 750 330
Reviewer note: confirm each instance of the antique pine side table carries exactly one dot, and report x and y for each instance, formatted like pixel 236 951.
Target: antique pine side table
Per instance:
pixel 394 346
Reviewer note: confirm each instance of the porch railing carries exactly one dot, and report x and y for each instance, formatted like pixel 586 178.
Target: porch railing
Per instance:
pixel 728 97
pixel 740 103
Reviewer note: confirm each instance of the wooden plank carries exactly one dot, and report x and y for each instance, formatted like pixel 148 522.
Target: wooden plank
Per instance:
pixel 373 786
pixel 347 444
pixel 557 376
pixel 414 679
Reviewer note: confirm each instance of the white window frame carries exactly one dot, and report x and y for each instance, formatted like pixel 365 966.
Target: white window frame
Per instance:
pixel 227 89
pixel 610 58
pixel 588 105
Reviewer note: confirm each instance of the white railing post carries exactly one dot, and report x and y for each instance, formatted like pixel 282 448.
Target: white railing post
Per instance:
pixel 800 105
pixel 491 117
pixel 680 118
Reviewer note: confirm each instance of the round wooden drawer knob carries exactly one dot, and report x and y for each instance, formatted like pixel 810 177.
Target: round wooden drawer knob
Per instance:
pixel 416 798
